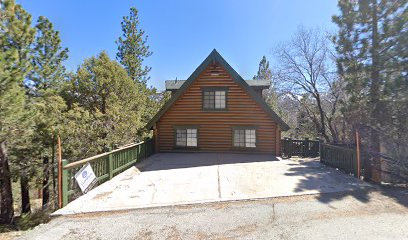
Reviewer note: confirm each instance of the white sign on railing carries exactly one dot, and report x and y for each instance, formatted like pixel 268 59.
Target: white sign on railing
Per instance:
pixel 85 178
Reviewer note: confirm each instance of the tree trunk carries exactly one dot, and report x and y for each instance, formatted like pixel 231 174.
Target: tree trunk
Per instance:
pixel 322 116
pixel 6 194
pixel 333 131
pixel 375 95
pixel 46 192
pixel 25 194
pixel 375 70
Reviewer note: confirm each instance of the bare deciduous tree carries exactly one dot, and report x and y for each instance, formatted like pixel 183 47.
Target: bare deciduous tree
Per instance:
pixel 306 70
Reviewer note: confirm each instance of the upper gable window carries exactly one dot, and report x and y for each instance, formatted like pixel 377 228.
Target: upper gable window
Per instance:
pixel 215 99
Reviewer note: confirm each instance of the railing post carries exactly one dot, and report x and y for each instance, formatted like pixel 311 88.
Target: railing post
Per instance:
pixel 306 147
pixel 149 148
pixel 137 153
pixel 358 154
pixel 290 143
pixel 64 183
pixel 144 150
pixel 285 147
pixel 110 164
pixel 320 149
pixel 316 147
pixel 153 145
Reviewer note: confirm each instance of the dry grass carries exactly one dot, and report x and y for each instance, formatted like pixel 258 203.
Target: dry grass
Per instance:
pixel 25 221
pixel 35 199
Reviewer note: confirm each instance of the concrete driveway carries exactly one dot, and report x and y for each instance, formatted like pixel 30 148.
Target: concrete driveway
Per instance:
pixel 184 178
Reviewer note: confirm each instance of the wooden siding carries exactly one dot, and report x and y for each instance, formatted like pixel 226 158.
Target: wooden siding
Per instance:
pixel 215 133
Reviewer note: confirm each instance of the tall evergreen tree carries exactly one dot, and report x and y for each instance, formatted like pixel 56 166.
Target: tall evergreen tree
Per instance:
pixel 103 87
pixel 264 71
pixel 45 81
pixel 132 51
pixel 369 50
pixel 16 37
pixel 372 49
pixel 48 57
pixel 371 45
pixel 133 48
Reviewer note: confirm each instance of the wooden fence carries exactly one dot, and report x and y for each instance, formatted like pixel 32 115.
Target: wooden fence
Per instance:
pixel 105 165
pixel 301 148
pixel 340 157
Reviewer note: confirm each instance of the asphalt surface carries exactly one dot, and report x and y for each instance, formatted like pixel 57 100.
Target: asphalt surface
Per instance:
pixel 364 214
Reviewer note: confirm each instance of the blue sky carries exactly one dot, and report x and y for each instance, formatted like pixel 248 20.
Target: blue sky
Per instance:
pixel 183 33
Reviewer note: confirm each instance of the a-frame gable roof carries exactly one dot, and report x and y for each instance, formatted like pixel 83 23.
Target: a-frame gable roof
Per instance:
pixel 215 56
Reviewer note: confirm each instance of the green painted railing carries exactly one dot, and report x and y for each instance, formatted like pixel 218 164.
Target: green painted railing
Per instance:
pixel 340 157
pixel 105 165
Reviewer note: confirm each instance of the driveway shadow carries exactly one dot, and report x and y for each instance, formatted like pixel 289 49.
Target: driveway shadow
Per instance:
pixel 315 172
pixel 166 161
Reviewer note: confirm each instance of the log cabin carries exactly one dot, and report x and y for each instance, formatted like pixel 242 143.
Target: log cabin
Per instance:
pixel 216 110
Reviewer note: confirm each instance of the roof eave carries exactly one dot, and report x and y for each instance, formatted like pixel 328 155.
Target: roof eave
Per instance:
pixel 180 91
pixel 215 56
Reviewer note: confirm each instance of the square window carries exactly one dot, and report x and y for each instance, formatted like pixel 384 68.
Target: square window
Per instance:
pixel 244 138
pixel 214 100
pixel 186 137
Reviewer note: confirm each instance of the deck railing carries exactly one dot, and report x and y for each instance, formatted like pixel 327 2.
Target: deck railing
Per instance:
pixel 105 166
pixel 299 147
pixel 343 158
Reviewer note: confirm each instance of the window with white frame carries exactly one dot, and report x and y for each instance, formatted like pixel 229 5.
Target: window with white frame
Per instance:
pixel 245 138
pixel 186 137
pixel 214 99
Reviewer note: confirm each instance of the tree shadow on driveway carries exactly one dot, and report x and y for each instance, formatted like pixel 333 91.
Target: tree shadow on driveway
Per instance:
pixel 317 176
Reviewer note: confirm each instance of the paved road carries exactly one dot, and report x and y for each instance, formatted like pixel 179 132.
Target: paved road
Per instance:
pixel 362 214
pixel 184 178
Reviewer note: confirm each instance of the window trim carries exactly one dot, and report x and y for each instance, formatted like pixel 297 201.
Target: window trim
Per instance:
pixel 213 89
pixel 175 127
pixel 233 128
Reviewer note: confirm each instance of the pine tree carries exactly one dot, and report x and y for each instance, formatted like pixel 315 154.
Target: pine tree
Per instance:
pixel 102 87
pixel 16 37
pixel 48 57
pixel 369 46
pixel 132 51
pixel 264 72
pixel 46 80
pixel 372 49
pixel 133 48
